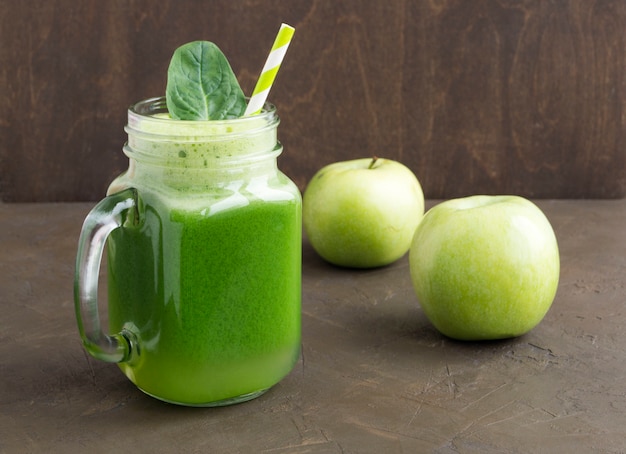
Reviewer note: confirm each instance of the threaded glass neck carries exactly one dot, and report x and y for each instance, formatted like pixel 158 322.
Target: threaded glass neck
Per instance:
pixel 155 138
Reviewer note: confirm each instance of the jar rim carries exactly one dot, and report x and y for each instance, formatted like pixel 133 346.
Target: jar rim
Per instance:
pixel 151 116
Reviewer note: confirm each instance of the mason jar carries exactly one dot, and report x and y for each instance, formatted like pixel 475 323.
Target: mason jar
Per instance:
pixel 203 242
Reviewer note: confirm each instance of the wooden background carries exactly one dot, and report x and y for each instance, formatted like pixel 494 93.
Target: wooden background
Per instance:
pixel 481 96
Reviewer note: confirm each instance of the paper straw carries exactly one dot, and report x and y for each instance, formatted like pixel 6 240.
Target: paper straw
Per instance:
pixel 268 74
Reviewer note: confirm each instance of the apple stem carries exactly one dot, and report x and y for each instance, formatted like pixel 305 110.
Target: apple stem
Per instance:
pixel 374 159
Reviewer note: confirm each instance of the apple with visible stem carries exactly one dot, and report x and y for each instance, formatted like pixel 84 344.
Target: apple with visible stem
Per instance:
pixel 485 267
pixel 362 213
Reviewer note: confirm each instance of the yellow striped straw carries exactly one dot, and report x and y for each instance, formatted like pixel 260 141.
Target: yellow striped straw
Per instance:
pixel 268 74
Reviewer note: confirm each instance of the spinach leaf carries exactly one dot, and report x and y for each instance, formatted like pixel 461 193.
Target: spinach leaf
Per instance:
pixel 201 84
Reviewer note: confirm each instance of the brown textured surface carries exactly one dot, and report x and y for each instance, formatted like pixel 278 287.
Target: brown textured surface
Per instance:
pixel 374 376
pixel 488 96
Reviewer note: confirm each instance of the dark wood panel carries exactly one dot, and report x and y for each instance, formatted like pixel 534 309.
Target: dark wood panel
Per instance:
pixel 488 96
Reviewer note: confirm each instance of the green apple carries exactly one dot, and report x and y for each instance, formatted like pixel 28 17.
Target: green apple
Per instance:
pixel 485 267
pixel 362 213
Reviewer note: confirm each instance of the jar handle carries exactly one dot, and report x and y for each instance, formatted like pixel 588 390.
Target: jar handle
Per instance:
pixel 109 214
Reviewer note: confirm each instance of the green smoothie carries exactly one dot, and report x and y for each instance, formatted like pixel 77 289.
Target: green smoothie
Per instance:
pixel 214 299
pixel 206 273
pixel 203 247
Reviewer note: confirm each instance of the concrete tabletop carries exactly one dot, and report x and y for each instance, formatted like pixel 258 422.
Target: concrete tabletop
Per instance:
pixel 374 375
